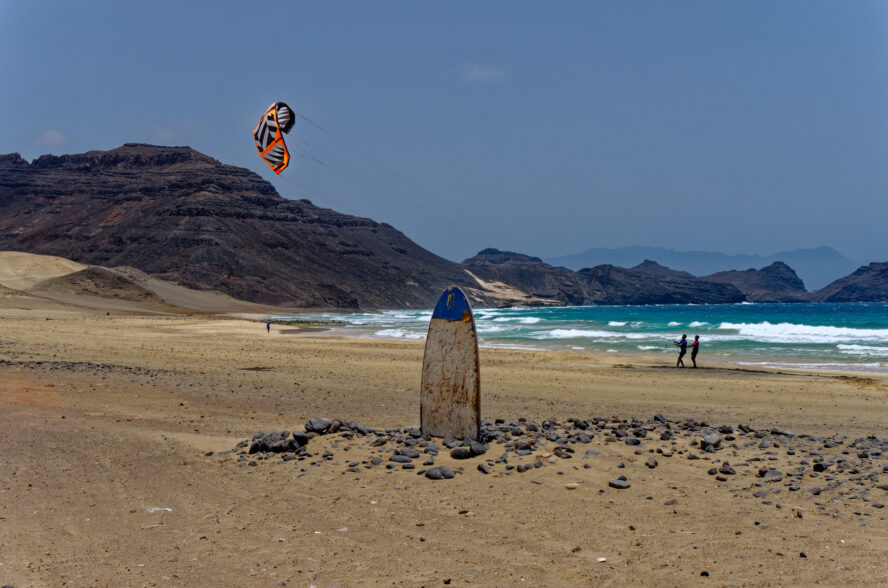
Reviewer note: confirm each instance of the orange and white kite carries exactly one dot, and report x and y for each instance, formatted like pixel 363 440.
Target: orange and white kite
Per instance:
pixel 268 134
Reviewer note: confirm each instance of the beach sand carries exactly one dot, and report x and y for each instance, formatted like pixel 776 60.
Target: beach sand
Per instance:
pixel 111 428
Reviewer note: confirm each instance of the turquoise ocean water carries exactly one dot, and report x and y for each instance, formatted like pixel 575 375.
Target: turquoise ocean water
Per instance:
pixel 852 336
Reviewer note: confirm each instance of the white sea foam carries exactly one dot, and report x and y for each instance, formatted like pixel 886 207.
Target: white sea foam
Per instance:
pixel 867 350
pixel 793 333
pixel 399 334
pixel 491 329
pixel 616 324
pixel 524 320
pixel 586 333
pixel 647 347
pixel 673 324
pixel 698 324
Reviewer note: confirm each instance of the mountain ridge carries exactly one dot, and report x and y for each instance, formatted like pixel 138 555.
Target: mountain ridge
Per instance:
pixel 816 266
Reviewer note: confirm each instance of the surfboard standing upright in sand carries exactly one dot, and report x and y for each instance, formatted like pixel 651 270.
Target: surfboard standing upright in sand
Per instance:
pixel 450 394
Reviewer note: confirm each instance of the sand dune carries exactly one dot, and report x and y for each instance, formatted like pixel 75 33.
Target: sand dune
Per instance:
pixel 22 271
pixel 46 281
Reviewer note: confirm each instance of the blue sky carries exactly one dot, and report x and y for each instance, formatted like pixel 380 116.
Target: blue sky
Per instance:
pixel 547 128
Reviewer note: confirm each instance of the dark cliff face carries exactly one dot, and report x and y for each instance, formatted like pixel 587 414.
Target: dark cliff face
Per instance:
pixel 607 284
pixel 183 216
pixel 774 283
pixel 603 284
pixel 652 269
pixel 557 285
pixel 868 284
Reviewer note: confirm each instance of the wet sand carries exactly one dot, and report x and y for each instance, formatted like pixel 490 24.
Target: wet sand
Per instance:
pixel 107 421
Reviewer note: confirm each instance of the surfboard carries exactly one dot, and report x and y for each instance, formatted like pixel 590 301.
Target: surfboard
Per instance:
pixel 450 393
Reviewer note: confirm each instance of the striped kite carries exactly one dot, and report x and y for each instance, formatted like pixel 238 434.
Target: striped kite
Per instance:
pixel 268 134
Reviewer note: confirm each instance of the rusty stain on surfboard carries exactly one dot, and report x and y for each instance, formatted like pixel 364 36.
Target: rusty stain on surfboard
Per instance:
pixel 450 393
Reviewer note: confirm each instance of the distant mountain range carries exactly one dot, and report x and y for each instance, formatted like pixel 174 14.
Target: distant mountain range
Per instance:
pixel 184 217
pixel 816 267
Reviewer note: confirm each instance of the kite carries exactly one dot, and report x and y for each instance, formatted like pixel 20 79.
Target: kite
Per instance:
pixel 268 134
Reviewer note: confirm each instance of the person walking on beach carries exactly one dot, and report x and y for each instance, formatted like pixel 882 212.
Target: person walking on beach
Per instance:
pixel 683 348
pixel 695 347
pixel 268 326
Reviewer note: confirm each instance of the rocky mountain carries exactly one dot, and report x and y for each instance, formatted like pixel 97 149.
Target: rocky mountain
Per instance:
pixel 183 216
pixel 868 284
pixel 774 283
pixel 652 269
pixel 817 266
pixel 542 283
pixel 603 284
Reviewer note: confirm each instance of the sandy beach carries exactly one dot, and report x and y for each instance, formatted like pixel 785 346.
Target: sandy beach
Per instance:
pixel 116 432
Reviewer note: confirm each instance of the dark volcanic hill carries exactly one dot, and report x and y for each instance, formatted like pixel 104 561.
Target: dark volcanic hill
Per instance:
pixel 185 217
pixel 542 282
pixel 868 284
pixel 603 284
pixel 652 269
pixel 774 283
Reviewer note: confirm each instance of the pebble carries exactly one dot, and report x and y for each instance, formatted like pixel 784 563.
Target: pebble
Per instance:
pixel 619 484
pixel 439 473
pixel 460 453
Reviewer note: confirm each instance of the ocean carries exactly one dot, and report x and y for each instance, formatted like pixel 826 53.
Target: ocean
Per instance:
pixel 845 336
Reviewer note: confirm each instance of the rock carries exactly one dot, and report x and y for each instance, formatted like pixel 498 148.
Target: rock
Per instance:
pixel 726 469
pixel 461 453
pixel 439 473
pixel 478 448
pixel 410 452
pixel 633 441
pixel 619 484
pixel 483 468
pixel 318 425
pixel 572 486
pixel 651 463
pixel 710 443
pixel 398 458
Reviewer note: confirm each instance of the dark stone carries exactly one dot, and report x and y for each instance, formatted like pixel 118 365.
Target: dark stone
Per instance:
pixel 318 425
pixel 410 452
pixel 619 484
pixel 478 448
pixel 399 458
pixel 439 473
pixel 651 463
pixel 461 453
pixel 726 469
pixel 483 468
pixel 710 443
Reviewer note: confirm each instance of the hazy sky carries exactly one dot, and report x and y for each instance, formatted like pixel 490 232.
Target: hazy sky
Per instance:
pixel 542 127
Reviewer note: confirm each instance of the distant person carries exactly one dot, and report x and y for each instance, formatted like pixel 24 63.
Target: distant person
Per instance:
pixel 695 347
pixel 683 348
pixel 268 326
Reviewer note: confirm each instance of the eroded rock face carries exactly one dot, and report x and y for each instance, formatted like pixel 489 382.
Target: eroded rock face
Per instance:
pixel 183 216
pixel 775 283
pixel 603 284
pixel 868 284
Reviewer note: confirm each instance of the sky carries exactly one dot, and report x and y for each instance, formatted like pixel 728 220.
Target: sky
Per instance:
pixel 544 128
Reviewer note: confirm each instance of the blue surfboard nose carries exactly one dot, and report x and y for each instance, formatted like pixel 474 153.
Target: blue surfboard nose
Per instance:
pixel 453 306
